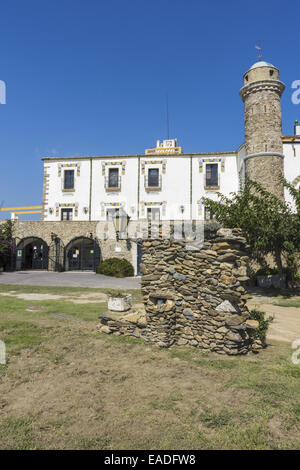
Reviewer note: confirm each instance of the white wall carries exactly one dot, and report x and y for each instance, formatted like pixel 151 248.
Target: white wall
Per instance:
pixel 129 186
pixel 228 180
pixel 56 195
pixel 291 167
pixel 175 191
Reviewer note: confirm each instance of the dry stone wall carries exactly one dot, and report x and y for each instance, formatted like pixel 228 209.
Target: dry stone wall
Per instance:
pixel 197 297
pixel 192 297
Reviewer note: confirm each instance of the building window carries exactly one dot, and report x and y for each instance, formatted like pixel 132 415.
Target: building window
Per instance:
pixel 153 177
pixel 113 177
pixel 113 180
pixel 211 177
pixel 153 213
pixel 69 179
pixel 67 214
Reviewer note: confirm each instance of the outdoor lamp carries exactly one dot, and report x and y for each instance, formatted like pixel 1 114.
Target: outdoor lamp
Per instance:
pixel 120 220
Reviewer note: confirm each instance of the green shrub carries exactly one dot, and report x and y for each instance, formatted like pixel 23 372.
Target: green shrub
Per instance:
pixel 261 331
pixel 116 293
pixel 266 271
pixel 115 267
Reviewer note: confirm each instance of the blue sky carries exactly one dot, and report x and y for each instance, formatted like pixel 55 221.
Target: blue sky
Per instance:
pixel 89 77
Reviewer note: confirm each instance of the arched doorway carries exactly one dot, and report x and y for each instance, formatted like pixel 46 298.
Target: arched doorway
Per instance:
pixel 32 253
pixel 82 254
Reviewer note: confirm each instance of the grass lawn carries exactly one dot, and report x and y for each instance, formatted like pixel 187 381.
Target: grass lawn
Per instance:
pixel 67 386
pixel 288 303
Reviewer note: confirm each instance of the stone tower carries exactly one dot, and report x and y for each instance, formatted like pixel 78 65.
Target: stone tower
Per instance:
pixel 262 113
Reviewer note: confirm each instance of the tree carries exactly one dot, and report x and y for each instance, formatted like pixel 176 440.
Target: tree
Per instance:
pixel 267 222
pixel 6 241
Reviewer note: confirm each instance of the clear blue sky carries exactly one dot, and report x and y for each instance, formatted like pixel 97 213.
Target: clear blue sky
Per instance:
pixel 89 77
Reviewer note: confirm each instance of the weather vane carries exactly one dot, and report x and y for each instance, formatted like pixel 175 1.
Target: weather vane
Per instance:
pixel 258 47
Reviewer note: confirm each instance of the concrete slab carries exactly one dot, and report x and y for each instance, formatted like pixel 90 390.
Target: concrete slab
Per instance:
pixel 68 279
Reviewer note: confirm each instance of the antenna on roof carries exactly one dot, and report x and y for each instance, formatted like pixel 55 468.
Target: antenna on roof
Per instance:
pixel 168 125
pixel 259 48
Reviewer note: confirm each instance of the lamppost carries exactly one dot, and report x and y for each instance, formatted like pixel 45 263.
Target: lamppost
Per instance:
pixel 120 220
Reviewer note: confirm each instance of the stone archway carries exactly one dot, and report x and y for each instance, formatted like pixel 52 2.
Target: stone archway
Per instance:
pixel 32 253
pixel 82 254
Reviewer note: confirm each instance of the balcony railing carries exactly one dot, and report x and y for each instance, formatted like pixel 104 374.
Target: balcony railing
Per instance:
pixel 153 184
pixel 211 183
pixel 112 185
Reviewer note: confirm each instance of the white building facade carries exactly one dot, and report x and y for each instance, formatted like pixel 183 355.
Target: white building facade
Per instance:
pixel 80 194
pixel 164 186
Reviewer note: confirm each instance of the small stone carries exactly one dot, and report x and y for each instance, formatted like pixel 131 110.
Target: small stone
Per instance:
pixel 179 277
pixel 188 312
pixel 224 232
pixel 252 324
pixel 105 329
pixel 182 342
pixel 234 337
pixel 233 320
pixel 222 329
pixel 227 257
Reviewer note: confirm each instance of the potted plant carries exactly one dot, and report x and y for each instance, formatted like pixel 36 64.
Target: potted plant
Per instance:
pixel 119 301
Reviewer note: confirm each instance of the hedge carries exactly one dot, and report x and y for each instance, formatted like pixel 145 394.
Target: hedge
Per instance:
pixel 115 267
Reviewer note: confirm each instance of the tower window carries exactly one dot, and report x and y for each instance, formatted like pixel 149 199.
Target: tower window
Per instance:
pixel 266 147
pixel 271 73
pixel 246 78
pixel 265 108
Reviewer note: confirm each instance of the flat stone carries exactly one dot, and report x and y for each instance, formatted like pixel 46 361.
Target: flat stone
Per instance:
pixel 222 329
pixel 151 277
pixel 224 232
pixel 182 342
pixel 105 329
pixel 179 277
pixel 227 257
pixel 188 312
pixel 226 306
pixel 233 320
pixel 252 324
pixel 234 337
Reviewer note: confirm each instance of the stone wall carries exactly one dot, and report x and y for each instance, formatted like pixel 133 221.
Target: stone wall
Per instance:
pixel 197 297
pixel 67 231
pixel 263 136
pixel 263 133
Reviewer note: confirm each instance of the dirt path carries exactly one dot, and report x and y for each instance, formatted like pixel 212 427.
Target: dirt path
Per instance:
pixel 286 324
pixel 79 299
